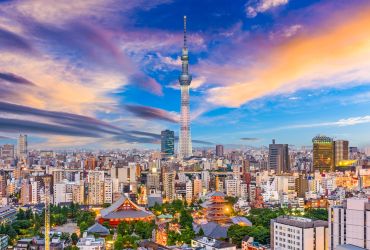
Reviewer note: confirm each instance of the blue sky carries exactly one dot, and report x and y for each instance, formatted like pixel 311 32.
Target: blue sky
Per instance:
pixel 103 74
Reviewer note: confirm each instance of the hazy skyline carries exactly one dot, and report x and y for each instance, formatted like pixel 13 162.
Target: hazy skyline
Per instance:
pixel 104 73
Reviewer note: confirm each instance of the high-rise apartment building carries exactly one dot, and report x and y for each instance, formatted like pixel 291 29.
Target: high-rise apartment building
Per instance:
pixel 22 146
pixel 349 224
pixel 167 143
pixel 219 150
pixel 185 145
pixel 323 153
pixel 341 151
pixel 169 185
pixel 95 183
pixel 298 233
pixel 279 157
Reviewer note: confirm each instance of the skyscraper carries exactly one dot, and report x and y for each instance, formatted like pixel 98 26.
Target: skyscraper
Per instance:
pixel 279 157
pixel 185 147
pixel 341 151
pixel 22 146
pixel 219 150
pixel 323 153
pixel 167 143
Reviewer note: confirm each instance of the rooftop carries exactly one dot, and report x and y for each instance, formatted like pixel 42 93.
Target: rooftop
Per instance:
pixel 300 222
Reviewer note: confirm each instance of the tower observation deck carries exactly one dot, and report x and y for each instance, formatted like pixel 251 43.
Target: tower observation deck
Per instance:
pixel 185 147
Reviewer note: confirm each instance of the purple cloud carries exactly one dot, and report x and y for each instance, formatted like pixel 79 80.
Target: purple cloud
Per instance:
pixel 10 40
pixel 13 78
pixel 152 113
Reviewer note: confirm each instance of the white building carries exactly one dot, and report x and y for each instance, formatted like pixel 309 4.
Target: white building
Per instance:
pixel 232 187
pixel 108 191
pixel 90 243
pixel 296 233
pixel 206 243
pixel 189 191
pixel 349 223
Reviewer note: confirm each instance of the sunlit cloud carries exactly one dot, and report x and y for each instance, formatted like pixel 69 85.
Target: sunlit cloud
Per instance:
pixel 253 7
pixel 328 57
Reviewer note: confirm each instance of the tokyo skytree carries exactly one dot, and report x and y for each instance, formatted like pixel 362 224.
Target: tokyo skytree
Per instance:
pixel 185 147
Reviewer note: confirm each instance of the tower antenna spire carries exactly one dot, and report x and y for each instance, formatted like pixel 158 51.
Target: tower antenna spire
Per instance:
pixel 185 31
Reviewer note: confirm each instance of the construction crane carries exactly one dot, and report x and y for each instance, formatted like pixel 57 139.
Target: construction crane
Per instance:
pixel 47 182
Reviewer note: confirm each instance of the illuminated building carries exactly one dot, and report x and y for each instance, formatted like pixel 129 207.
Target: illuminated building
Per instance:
pixel 185 146
pixel 217 208
pixel 323 153
pixel 124 210
pixel 301 185
pixel 167 143
pixel 341 151
pixel 279 157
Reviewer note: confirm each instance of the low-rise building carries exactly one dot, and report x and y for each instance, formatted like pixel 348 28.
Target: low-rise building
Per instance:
pixel 90 243
pixel 206 243
pixel 296 233
pixel 7 214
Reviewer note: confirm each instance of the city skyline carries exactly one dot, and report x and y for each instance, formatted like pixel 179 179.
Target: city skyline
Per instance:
pixel 262 70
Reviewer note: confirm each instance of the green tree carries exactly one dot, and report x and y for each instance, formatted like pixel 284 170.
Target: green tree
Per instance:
pixel 74 238
pixel 186 220
pixel 118 244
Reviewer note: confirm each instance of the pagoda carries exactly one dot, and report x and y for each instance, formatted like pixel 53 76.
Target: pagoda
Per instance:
pixel 217 208
pixel 124 210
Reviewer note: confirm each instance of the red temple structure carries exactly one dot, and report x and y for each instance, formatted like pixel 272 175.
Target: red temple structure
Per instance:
pixel 217 208
pixel 124 210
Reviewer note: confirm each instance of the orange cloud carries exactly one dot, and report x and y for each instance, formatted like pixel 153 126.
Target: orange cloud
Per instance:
pixel 334 55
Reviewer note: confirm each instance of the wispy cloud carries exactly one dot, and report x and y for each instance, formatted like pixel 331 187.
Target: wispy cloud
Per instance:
pixel 330 56
pixel 153 113
pixel 253 7
pixel 9 77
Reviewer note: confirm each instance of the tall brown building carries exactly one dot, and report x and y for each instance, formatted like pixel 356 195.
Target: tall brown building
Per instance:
pixel 301 185
pixel 341 151
pixel 323 153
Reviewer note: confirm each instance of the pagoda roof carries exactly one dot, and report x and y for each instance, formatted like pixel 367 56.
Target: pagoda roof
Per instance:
pixel 124 208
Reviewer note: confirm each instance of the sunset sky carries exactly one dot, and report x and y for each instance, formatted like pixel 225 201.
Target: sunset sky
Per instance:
pixel 103 73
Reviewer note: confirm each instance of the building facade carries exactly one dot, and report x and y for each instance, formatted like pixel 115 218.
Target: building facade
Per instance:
pixel 298 233
pixel 323 153
pixel 167 143
pixel 349 224
pixel 219 150
pixel 341 151
pixel 279 157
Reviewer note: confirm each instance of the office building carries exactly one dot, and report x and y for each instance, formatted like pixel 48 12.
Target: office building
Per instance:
pixel 323 153
pixel 219 150
pixel 185 145
pixel 7 151
pixel 298 233
pixel 341 151
pixel 167 143
pixel 349 224
pixel 279 157
pixel 22 147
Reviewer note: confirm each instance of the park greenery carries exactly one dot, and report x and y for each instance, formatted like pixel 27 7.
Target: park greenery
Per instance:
pixel 31 224
pixel 261 218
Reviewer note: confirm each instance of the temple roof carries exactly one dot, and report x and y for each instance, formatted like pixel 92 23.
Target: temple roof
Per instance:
pixel 124 208
pixel 98 229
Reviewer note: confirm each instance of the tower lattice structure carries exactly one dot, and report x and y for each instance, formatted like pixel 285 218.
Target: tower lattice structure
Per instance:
pixel 185 146
pixel 47 182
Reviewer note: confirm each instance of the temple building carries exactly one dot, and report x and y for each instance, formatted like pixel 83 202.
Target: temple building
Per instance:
pixel 124 210
pixel 217 208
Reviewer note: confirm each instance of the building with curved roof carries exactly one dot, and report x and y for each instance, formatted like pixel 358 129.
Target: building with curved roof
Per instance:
pixel 124 210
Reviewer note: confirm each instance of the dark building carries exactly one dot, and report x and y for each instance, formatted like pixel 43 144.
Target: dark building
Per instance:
pixel 279 157
pixel 167 143
pixel 219 150
pixel 323 153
